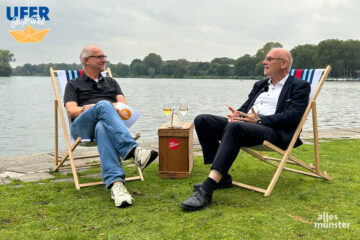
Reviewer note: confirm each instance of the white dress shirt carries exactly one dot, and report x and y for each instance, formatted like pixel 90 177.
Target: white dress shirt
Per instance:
pixel 266 102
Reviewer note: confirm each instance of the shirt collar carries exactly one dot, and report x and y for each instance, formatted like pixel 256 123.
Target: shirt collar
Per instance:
pixel 282 82
pixel 86 77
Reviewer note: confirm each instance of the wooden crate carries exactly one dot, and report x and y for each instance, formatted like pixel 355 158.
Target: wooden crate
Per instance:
pixel 176 151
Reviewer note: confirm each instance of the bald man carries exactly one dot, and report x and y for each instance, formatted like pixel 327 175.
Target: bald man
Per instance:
pixel 90 101
pixel 272 112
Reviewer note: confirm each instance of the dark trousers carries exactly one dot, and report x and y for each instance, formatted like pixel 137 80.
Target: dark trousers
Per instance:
pixel 221 140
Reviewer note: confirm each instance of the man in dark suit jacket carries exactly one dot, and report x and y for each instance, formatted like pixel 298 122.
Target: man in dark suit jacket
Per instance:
pixel 272 112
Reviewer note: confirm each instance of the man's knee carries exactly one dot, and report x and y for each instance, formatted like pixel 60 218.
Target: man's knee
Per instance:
pixel 104 105
pixel 249 134
pixel 235 127
pixel 200 119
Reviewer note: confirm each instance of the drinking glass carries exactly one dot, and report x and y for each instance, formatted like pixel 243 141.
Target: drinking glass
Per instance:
pixel 183 111
pixel 167 109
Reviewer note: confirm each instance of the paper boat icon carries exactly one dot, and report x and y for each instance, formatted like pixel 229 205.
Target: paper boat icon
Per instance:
pixel 29 35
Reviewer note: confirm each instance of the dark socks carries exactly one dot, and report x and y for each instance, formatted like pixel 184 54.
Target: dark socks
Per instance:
pixel 225 178
pixel 209 185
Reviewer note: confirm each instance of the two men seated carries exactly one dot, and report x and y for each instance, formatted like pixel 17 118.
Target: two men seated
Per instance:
pixel 272 112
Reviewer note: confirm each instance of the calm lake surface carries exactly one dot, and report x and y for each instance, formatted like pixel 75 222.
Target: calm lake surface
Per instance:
pixel 27 107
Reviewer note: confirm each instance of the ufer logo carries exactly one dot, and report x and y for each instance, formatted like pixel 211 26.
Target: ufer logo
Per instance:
pixel 173 144
pixel 125 114
pixel 27 16
pixel 23 12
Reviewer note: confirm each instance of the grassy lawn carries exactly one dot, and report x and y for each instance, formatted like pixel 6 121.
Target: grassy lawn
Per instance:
pixel 56 210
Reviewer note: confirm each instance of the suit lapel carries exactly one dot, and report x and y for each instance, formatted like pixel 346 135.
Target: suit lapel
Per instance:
pixel 257 94
pixel 283 92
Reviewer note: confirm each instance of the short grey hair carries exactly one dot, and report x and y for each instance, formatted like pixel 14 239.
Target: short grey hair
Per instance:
pixel 290 63
pixel 84 54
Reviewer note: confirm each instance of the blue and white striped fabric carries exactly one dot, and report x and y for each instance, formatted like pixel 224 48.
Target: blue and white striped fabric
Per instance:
pixel 312 76
pixel 67 75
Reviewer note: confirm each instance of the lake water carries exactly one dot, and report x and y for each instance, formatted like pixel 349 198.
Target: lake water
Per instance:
pixel 26 109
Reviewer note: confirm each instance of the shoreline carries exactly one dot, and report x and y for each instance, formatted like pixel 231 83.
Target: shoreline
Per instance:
pixel 35 167
pixel 343 79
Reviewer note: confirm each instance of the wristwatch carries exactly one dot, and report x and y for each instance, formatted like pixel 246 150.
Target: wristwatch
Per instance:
pixel 259 121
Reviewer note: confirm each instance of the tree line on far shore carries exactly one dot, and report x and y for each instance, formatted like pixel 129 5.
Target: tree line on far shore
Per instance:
pixel 343 56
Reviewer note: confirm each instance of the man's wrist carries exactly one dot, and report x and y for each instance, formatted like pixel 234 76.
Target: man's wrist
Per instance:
pixel 259 120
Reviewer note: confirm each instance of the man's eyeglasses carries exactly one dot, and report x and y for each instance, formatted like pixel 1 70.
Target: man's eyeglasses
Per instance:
pixel 269 59
pixel 99 57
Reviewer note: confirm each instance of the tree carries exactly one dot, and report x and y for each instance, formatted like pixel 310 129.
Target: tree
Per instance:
pixel 343 56
pixel 204 66
pixel 29 69
pixel 120 69
pixel 5 58
pixel 331 52
pixel 245 65
pixel 168 67
pixel 261 54
pixel 153 61
pixel 137 68
pixel 222 66
pixel 222 70
pixel 304 56
pixel 212 69
pixel 180 68
pixel 5 69
pixel 223 60
pixel 193 69
pixel 198 68
pixel 151 72
pixel 352 57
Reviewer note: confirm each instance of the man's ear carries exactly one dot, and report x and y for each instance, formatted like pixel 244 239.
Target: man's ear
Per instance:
pixel 284 64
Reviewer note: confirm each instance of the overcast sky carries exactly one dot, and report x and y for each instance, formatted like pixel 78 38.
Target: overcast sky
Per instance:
pixel 197 30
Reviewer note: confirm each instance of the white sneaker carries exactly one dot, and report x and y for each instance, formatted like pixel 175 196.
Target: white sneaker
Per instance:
pixel 120 195
pixel 144 157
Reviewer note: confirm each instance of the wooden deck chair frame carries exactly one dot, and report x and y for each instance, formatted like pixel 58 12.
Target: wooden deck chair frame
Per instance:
pixel 257 151
pixel 58 112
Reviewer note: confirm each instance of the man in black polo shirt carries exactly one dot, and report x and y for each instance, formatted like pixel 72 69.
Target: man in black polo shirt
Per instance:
pixel 90 101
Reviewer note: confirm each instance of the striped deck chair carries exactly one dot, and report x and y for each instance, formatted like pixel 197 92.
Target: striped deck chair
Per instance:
pixel 316 78
pixel 71 144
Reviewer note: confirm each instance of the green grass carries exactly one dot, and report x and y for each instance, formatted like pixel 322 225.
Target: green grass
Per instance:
pixel 58 211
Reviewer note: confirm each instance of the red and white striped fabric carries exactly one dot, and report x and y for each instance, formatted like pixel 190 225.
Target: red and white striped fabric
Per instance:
pixel 312 76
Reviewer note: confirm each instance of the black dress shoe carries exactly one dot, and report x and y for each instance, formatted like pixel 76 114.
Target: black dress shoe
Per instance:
pixel 225 182
pixel 197 201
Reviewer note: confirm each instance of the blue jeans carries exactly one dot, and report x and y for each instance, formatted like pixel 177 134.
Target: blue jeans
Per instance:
pixel 111 135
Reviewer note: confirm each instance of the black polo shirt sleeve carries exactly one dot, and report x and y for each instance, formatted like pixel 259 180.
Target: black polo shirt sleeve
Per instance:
pixel 70 94
pixel 117 87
